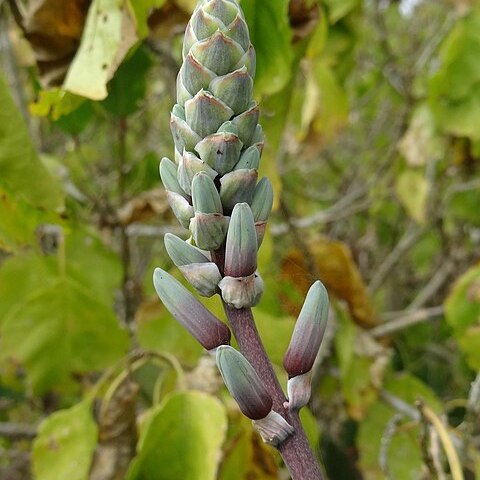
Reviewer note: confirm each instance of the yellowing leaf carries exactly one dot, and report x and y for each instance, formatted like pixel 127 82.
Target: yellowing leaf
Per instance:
pixel 108 35
pixel 339 274
pixel 246 456
pixel 181 440
pixel 412 191
pixel 21 171
pixel 420 143
pixel 325 107
pixel 462 312
pixel 65 444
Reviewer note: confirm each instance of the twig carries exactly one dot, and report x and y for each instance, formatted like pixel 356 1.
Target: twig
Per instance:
pixel 429 415
pixel 408 240
pixel 426 451
pixel 386 440
pixel 17 431
pixel 436 454
pixel 406 320
pixel 17 14
pixel 433 285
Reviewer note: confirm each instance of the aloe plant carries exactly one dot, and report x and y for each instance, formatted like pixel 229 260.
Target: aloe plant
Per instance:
pixel 212 186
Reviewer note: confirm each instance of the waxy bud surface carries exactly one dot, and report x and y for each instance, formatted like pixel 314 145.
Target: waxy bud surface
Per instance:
pixel 243 383
pixel 308 332
pixel 209 331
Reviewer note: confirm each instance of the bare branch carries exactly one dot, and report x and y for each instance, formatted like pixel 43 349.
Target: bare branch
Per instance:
pixel 17 431
pixel 406 320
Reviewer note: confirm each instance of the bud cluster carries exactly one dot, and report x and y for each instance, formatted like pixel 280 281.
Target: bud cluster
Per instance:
pixel 213 189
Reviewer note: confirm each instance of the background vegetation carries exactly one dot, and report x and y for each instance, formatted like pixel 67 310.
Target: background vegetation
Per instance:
pixel 372 113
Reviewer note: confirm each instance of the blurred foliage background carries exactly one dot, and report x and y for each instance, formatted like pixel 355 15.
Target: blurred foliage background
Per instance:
pixel 372 116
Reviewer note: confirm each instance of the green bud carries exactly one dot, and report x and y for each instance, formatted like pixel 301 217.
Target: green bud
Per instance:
pixel 183 136
pixel 209 230
pixel 205 195
pixel 193 76
pixel 189 166
pixel 200 272
pixel 237 187
pixel 218 53
pixel 262 200
pixel 205 114
pixel 168 174
pixel 250 159
pixel 241 245
pixel 181 208
pixel 243 383
pixel 235 89
pixel 220 150
pixel 246 123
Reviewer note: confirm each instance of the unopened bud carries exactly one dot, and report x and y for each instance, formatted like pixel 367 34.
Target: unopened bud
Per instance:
pixel 209 331
pixel 200 272
pixel 243 383
pixel 308 332
pixel 188 167
pixel 241 246
pixel 237 187
pixel 205 195
pixel 220 150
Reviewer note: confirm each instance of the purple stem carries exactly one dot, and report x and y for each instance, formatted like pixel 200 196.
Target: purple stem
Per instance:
pixel 295 450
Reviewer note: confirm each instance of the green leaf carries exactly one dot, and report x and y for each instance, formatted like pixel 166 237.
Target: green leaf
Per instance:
pixel 181 440
pixel 246 456
pixel 157 330
pixel 270 34
pixel 22 172
pixel 453 94
pixel 55 103
pixel 325 107
pixel 108 35
pixel 337 9
pixel 462 313
pixel 141 10
pixel 127 88
pixel 64 446
pixel 61 329
pixel 275 333
pixel 18 222
pixel 404 454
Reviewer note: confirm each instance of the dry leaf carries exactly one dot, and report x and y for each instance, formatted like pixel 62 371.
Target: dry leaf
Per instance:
pixel 117 434
pixel 53 29
pixel 152 203
pixel 339 274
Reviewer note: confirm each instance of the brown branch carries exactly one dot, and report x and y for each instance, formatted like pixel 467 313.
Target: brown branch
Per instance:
pixel 17 431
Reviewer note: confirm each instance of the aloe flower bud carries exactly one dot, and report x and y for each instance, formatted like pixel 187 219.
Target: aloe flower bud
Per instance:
pixel 215 120
pixel 251 395
pixel 200 272
pixel 242 286
pixel 262 207
pixel 176 196
pixel 208 226
pixel 209 331
pixel 304 344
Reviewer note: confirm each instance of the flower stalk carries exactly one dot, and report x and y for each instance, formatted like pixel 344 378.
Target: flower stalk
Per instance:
pixel 213 189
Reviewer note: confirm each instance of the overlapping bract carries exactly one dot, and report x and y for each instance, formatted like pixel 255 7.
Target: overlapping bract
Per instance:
pixel 215 124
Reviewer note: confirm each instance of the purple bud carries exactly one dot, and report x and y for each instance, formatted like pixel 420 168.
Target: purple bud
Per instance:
pixel 308 332
pixel 209 331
